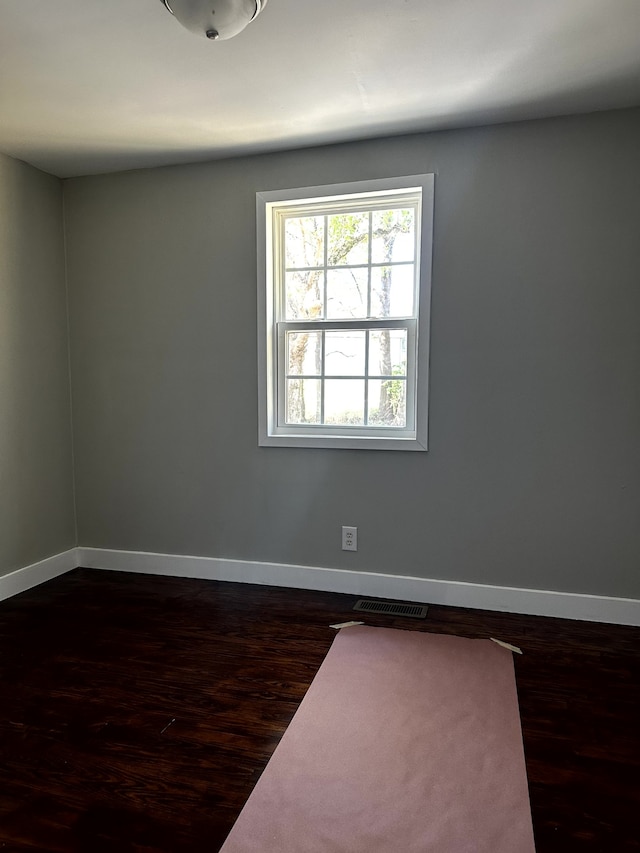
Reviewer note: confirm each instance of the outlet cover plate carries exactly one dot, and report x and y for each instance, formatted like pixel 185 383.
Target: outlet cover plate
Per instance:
pixel 349 538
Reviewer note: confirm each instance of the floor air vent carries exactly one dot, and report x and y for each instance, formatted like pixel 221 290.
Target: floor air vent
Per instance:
pixel 391 608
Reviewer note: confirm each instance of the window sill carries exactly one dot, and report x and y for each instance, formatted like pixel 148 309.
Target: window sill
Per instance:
pixel 338 442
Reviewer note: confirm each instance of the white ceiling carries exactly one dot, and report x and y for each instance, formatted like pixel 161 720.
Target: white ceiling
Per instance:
pixel 92 86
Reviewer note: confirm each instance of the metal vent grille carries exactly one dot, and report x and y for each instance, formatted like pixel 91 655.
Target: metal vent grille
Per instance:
pixel 391 608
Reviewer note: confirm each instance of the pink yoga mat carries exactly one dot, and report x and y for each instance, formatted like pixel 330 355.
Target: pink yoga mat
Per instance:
pixel 405 742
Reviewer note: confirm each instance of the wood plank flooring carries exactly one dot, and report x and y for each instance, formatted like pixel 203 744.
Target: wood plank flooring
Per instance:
pixel 137 712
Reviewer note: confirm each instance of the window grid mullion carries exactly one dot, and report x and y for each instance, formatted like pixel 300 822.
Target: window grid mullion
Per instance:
pixel 281 341
pixel 322 373
pixel 325 259
pixel 369 259
pixel 417 218
pixel 381 377
pixel 324 314
pixel 350 266
pixel 366 342
pixel 366 378
pixel 346 325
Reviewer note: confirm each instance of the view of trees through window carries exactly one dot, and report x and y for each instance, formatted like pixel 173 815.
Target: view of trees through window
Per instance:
pixel 340 268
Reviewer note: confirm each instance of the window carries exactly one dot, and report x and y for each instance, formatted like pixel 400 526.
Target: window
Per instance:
pixel 343 294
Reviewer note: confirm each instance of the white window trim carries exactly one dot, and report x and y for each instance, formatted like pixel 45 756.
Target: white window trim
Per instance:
pixel 313 435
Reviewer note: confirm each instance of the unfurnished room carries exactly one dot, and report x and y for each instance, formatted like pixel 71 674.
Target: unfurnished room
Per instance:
pixel 320 426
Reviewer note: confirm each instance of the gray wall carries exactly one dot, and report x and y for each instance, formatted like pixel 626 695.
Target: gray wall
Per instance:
pixel 532 477
pixel 36 481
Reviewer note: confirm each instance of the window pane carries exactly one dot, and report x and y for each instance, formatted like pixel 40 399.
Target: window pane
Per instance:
pixel 304 241
pixel 392 291
pixel 344 353
pixel 304 297
pixel 304 353
pixel 347 293
pixel 303 401
pixel 348 239
pixel 388 402
pixel 388 352
pixel 393 236
pixel 344 401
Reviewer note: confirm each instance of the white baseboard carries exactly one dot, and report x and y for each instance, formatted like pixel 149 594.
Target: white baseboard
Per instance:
pixel 536 602
pixel 37 573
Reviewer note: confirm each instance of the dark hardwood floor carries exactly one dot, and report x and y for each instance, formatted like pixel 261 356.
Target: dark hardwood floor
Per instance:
pixel 137 712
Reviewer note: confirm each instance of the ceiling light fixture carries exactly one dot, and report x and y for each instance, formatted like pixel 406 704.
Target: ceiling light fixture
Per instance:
pixel 215 19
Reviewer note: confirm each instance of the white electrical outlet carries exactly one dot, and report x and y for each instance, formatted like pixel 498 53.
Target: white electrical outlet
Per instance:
pixel 349 538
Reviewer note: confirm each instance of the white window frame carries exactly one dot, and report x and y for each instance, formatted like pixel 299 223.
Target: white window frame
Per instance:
pixel 273 326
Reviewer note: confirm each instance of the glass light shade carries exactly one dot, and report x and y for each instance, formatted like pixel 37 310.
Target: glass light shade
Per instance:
pixel 215 19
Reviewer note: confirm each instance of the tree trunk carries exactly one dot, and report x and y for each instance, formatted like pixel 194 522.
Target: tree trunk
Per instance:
pixel 386 414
